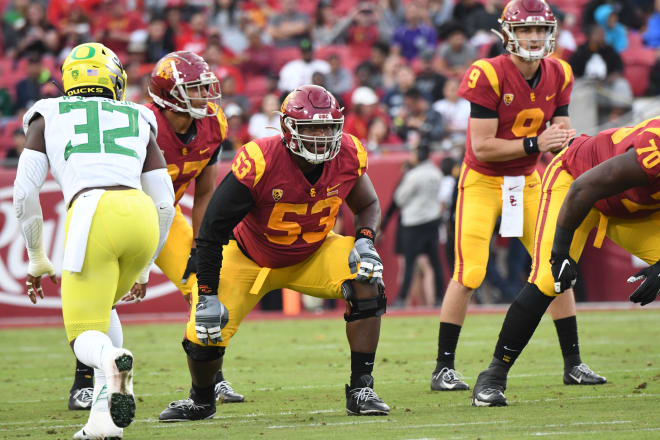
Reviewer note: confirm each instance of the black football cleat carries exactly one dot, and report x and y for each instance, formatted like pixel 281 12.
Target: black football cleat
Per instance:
pixel 363 401
pixel 226 394
pixel 80 399
pixel 582 375
pixel 448 379
pixel 489 390
pixel 187 410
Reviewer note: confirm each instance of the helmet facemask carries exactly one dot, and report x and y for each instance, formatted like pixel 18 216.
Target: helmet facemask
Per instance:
pixel 512 41
pixel 314 149
pixel 204 91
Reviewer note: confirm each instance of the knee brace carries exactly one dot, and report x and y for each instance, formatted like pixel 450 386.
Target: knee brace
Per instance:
pixel 201 353
pixel 363 308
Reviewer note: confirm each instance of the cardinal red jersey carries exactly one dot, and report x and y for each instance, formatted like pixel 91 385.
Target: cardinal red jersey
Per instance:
pixel 497 84
pixel 588 151
pixel 291 217
pixel 186 161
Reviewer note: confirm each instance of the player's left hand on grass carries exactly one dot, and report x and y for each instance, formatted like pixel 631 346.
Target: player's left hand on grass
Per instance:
pixel 211 316
pixel 36 268
pixel 137 293
pixel 364 260
pixel 564 271
pixel 648 291
pixel 191 266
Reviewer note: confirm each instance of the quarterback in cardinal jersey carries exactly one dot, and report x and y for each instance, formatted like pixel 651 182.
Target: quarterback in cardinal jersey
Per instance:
pixel 512 99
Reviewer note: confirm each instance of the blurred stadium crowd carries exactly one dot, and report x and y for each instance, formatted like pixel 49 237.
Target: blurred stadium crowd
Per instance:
pixel 394 64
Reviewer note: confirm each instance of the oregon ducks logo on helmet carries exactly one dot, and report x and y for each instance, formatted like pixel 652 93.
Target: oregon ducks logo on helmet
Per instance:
pixel 92 68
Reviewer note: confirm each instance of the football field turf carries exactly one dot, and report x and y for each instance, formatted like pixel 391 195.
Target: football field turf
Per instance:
pixel 292 373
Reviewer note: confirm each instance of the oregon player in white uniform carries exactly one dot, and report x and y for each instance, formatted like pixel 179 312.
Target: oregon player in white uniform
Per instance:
pixel 103 154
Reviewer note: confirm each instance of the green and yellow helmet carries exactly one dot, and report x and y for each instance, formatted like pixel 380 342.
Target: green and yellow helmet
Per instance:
pixel 93 69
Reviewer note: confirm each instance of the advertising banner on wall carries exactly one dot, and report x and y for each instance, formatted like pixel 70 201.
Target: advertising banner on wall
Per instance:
pixel 604 270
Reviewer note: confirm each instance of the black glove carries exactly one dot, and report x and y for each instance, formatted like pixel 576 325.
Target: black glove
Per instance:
pixel 648 291
pixel 564 271
pixel 191 266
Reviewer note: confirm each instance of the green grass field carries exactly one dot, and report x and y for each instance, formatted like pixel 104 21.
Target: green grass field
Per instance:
pixel 293 373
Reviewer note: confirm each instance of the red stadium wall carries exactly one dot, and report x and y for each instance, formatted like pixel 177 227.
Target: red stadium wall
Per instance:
pixel 605 272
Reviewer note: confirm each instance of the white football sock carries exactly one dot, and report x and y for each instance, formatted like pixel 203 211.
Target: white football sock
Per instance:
pixel 114 331
pixel 90 346
pixel 100 395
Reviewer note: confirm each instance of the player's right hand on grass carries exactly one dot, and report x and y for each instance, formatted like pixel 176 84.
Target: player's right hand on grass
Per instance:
pixel 211 316
pixel 564 271
pixel 648 291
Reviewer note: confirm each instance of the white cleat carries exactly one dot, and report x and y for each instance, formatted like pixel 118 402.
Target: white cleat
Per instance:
pixel 99 426
pixel 118 370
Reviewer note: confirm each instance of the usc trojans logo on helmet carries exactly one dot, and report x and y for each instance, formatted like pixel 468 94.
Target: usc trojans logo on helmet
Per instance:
pixel 164 67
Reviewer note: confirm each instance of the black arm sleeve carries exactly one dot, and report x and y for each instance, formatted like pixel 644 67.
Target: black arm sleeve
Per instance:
pixel 230 202
pixel 481 112
pixel 388 215
pixel 214 159
pixel 561 111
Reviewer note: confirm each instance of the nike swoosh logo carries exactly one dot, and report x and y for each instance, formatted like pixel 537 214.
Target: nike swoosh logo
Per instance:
pixel 532 185
pixel 577 379
pixel 548 98
pixel 509 349
pixel 330 188
pixel 203 151
pixel 447 353
pixel 563 266
pixel 513 187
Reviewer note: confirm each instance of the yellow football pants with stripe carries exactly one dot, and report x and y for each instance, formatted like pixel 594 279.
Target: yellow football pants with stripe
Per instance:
pixel 243 282
pixel 173 258
pixel 478 206
pixel 122 239
pixel 638 236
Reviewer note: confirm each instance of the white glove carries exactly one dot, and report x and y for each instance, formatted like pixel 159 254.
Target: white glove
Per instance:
pixel 364 260
pixel 39 265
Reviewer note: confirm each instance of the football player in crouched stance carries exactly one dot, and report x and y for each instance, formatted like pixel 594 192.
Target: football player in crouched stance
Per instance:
pixel 608 182
pixel 268 226
pixel 103 153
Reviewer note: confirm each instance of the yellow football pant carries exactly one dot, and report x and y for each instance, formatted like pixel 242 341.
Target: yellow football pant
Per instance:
pixel 638 236
pixel 122 239
pixel 478 206
pixel 173 258
pixel 243 282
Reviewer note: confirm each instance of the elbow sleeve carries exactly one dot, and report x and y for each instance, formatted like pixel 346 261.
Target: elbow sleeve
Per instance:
pixel 158 185
pixel 30 176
